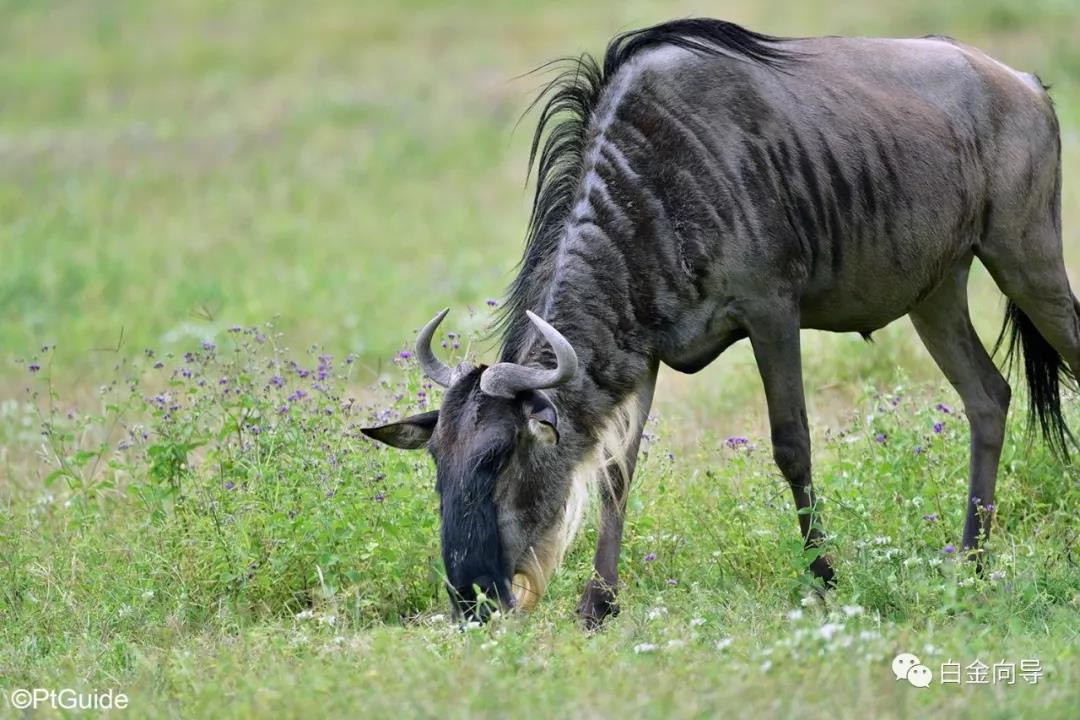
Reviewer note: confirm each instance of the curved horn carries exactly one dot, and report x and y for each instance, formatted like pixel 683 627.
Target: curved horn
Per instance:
pixel 508 379
pixel 432 366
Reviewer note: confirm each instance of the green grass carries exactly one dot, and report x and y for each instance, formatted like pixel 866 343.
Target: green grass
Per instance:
pixel 167 172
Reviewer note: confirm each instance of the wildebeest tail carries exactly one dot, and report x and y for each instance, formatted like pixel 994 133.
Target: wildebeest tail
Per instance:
pixel 1045 371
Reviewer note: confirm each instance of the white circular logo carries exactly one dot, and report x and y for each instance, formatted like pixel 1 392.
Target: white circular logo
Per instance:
pixel 902 663
pixel 906 666
pixel 21 698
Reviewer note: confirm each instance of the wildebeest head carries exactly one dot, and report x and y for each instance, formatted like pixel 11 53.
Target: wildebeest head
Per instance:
pixel 502 485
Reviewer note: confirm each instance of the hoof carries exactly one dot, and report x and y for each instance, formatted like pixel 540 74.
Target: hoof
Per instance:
pixel 823 570
pixel 597 602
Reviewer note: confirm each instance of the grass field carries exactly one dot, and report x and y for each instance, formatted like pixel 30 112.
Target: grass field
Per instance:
pixel 265 199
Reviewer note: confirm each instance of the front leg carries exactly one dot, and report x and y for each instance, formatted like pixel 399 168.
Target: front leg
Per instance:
pixel 775 339
pixel 598 599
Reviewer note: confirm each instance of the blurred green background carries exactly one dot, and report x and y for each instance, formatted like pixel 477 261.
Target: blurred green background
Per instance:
pixel 168 169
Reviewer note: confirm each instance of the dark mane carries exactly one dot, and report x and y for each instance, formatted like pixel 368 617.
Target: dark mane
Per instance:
pixel 567 104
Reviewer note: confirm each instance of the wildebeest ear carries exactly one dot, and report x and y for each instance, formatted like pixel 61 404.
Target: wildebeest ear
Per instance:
pixel 408 434
pixel 541 416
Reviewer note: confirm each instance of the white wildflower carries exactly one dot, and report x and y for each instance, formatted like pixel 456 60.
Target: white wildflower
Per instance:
pixel 827 630
pixel 644 648
pixel 656 612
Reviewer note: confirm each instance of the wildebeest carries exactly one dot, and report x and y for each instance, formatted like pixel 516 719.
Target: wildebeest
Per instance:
pixel 706 184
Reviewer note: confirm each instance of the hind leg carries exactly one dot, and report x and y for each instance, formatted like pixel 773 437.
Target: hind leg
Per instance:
pixel 1032 275
pixel 944 325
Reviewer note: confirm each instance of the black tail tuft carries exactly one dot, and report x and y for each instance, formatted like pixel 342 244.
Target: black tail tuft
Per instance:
pixel 1044 370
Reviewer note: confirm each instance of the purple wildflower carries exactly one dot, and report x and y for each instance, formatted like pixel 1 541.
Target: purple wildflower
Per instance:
pixel 918 449
pixel 930 517
pixel 492 302
pixel 988 507
pixel 34 367
pixel 158 365
pixel 189 357
pixel 223 381
pixel 672 582
pixel 942 407
pixel 208 346
pixel 230 485
pixel 404 354
pixel 185 372
pixel 881 437
pixel 650 557
pixel 379 497
pixel 236 329
pixel 277 381
pixel 283 410
pixel 297 396
pixel 938 427
pixel 949 549
pixel 736 441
